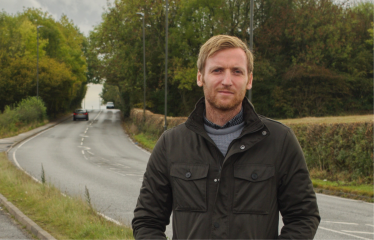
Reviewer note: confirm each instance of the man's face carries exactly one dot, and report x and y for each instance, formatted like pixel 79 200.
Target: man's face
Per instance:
pixel 225 79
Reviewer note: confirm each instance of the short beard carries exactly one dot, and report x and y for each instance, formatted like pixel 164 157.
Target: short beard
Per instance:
pixel 224 107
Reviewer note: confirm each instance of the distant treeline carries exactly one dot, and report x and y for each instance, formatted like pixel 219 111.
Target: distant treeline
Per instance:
pixel 313 57
pixel 62 64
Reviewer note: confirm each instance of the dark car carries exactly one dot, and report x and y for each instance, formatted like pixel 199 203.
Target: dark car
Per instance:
pixel 80 114
pixel 109 105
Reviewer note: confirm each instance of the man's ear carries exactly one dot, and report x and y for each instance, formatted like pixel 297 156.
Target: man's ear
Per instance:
pixel 199 79
pixel 250 79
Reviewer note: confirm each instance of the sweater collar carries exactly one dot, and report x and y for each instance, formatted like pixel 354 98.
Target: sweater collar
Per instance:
pixel 195 121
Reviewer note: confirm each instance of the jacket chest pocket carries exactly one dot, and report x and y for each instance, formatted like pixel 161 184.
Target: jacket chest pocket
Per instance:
pixel 253 188
pixel 189 186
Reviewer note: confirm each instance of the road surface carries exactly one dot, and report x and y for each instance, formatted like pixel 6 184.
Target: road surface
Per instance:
pixel 97 154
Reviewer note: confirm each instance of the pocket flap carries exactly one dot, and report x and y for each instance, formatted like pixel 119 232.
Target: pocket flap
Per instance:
pixel 254 172
pixel 189 171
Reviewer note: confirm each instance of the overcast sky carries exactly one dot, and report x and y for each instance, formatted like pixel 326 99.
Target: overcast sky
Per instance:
pixel 84 13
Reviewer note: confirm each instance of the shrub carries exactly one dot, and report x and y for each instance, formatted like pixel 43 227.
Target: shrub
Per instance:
pixel 334 151
pixel 344 148
pixel 29 110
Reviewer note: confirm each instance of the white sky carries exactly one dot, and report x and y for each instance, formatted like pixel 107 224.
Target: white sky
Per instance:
pixel 84 13
pixel 92 98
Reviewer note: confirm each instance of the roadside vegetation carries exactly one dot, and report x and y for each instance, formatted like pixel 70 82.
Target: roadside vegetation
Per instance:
pixel 28 114
pixel 62 62
pixel 63 217
pixel 338 150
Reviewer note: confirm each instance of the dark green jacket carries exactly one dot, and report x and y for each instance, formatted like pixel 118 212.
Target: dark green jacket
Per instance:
pixel 238 196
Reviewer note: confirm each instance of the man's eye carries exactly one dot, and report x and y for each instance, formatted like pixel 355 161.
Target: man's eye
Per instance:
pixel 238 71
pixel 216 70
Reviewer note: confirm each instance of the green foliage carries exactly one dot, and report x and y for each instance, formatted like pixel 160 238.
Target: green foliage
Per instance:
pixel 62 64
pixel 29 110
pixel 338 148
pixel 313 58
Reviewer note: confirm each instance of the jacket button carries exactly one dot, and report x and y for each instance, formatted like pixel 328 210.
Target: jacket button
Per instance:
pixel 254 176
pixel 188 175
pixel 242 147
pixel 216 225
pixel 264 133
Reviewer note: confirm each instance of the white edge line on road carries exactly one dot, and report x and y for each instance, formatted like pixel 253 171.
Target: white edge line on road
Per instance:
pixel 345 199
pixel 16 162
pixel 369 225
pixel 335 231
pixel 138 146
pixel 341 222
pixel 357 232
pixel 15 150
pixel 110 219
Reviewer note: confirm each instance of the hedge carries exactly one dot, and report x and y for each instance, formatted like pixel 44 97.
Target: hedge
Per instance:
pixel 335 149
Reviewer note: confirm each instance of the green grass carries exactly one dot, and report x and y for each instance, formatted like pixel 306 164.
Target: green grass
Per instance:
pixel 15 129
pixel 346 187
pixel 147 141
pixel 63 217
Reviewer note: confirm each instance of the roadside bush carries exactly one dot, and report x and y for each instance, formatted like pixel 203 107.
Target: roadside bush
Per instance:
pixel 342 151
pixel 28 111
pixel 338 151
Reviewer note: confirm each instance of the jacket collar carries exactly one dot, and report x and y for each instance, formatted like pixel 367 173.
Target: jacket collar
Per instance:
pixel 195 121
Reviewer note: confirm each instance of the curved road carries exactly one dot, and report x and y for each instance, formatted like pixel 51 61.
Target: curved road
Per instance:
pixel 98 154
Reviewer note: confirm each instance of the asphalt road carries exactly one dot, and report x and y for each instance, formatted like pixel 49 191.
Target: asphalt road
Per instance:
pixel 99 155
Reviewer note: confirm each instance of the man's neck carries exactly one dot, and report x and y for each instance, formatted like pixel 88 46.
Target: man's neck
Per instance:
pixel 220 117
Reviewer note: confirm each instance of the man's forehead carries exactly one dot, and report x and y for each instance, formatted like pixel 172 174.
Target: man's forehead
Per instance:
pixel 233 57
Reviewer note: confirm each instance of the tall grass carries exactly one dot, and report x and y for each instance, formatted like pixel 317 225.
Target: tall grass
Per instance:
pixel 29 113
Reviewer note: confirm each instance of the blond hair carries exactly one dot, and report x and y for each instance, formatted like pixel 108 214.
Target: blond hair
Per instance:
pixel 221 42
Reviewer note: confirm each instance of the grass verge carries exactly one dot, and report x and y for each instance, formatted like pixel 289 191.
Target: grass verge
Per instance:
pixel 63 217
pixel 5 133
pixel 344 189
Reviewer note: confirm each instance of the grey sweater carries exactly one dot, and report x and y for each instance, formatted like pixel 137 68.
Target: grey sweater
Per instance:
pixel 223 137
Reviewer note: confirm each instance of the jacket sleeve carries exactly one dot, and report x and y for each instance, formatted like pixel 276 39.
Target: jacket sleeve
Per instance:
pixel 296 197
pixel 154 205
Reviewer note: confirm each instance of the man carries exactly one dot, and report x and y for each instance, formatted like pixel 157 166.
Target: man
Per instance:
pixel 226 173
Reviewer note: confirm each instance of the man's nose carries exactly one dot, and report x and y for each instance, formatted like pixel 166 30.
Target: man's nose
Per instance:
pixel 227 79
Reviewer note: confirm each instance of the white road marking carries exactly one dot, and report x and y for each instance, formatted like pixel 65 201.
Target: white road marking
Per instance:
pixel 16 162
pixel 81 143
pixel 85 157
pixel 335 231
pixel 14 154
pixel 138 146
pixel 341 222
pixel 90 153
pixel 344 199
pixel 357 232
pixel 369 225
pixel 83 152
pixel 82 139
pixel 110 219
